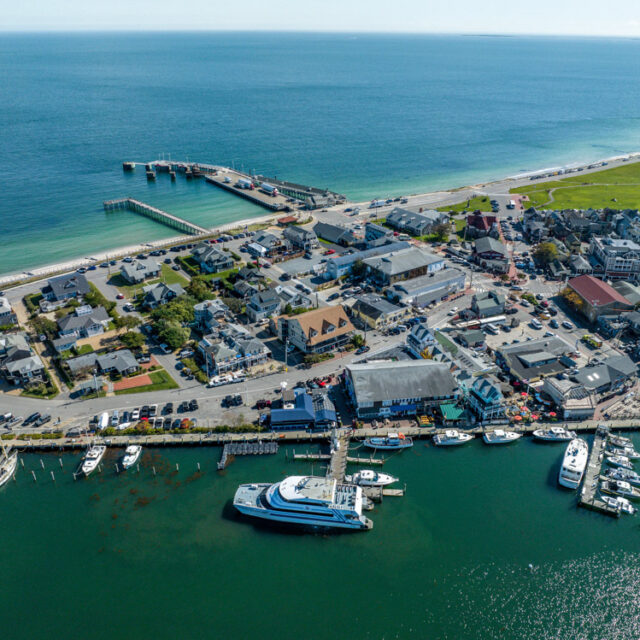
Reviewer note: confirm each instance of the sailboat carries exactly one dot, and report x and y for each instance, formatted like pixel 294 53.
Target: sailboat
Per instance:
pixel 8 464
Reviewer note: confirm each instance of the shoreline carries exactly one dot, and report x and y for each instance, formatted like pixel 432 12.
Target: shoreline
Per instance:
pixel 45 271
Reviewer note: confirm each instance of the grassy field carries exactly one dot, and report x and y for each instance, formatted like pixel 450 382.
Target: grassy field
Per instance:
pixel 479 203
pixel 161 381
pixel 617 188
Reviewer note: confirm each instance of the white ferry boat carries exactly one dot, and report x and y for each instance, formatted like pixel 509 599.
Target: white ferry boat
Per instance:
pixel 92 458
pixel 620 504
pixel 131 455
pixel 500 436
pixel 451 437
pixel 369 478
pixel 305 500
pixel 8 464
pixel 574 464
pixel 554 434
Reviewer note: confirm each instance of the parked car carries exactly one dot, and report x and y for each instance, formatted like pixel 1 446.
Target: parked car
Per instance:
pixel 193 405
pixel 567 325
pixel 168 408
pixel 184 406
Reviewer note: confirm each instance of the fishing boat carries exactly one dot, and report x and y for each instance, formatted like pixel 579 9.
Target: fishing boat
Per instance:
pixel 369 478
pixel 131 456
pixel 620 488
pixel 500 436
pixel 627 452
pixel 573 464
pixel 451 437
pixel 626 475
pixel 619 461
pixel 554 434
pixel 92 458
pixel 619 504
pixel 391 441
pixel 8 464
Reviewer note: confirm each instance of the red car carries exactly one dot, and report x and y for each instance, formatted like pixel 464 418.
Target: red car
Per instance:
pixel 329 252
pixel 120 296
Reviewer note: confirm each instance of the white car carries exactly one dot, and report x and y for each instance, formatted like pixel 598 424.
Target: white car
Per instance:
pixel 452 311
pixel 135 415
pixel 567 325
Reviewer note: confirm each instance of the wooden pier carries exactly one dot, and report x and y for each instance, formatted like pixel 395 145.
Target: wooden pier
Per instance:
pixel 273 203
pixel 589 494
pixel 246 449
pixel 130 204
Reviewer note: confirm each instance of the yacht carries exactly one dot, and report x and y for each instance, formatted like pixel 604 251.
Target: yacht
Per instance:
pixel 369 478
pixel 8 464
pixel 626 452
pixel 620 441
pixel 391 441
pixel 451 437
pixel 573 464
pixel 92 458
pixel 500 436
pixel 554 434
pixel 626 475
pixel 131 455
pixel 305 500
pixel 619 504
pixel 619 461
pixel 620 488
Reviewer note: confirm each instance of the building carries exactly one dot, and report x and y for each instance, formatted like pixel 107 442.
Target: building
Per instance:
pixel 84 322
pixel 573 401
pixel 211 259
pixel 234 349
pixel 416 224
pixel 308 412
pixel 579 265
pixel 420 340
pixel 263 304
pixel 487 250
pixel 597 297
pixel 208 313
pixel 317 331
pixel 404 264
pixel 403 388
pixel 72 285
pixel 270 243
pixel 628 291
pixel 480 225
pixel 376 233
pixel 339 266
pixel 535 359
pixel 158 294
pixel 7 316
pixel 292 298
pixel 121 362
pixel 139 270
pixel 376 312
pixel 485 399
pixel 300 238
pixel 472 339
pixel 424 290
pixel 335 234
pixel 607 376
pixel 615 259
pixel 18 363
pixel 487 304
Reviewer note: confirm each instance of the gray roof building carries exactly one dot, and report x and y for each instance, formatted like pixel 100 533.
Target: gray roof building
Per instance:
pixel 67 286
pixel 426 289
pixel 122 361
pixel 535 359
pixel 211 259
pixel 334 233
pixel 161 293
pixel 417 224
pixel 139 270
pixel 85 324
pixel 300 237
pixel 489 248
pixel 404 264
pixel 608 375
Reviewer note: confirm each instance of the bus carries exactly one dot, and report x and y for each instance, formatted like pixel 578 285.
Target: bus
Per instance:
pixel 481 323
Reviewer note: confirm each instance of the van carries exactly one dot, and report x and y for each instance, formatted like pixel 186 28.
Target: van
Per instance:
pixel 491 328
pixel 536 324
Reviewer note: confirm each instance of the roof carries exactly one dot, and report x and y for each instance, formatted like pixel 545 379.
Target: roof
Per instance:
pixel 209 253
pixel 159 291
pixel 628 291
pixel 400 217
pixel 524 361
pixel 480 221
pixel 267 240
pixel 381 381
pixel 373 306
pixel 303 411
pixel 333 233
pixel 482 245
pixel 121 360
pixel 472 336
pixel 398 262
pixel 596 292
pixel 70 283
pixel 139 268
pixel 487 389
pixel 435 280
pixel 24 365
pixel 73 322
pixel 320 323
pixel 350 258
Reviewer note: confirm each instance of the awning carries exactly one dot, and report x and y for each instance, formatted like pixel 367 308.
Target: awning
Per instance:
pixel 451 412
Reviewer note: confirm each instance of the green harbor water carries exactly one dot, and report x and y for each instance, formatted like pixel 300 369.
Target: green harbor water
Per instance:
pixel 165 556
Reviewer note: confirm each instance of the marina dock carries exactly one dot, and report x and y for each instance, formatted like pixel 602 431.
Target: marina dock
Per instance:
pixel 168 219
pixel 588 494
pixel 245 449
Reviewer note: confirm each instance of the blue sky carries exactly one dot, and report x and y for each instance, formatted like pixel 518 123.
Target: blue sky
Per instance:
pixel 575 17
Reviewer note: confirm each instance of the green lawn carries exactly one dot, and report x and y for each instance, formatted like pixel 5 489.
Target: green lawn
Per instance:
pixel 173 277
pixel 131 290
pixel 617 188
pixel 479 203
pixel 161 381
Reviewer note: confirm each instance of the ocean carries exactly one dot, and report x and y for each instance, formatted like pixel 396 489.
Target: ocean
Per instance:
pixel 366 115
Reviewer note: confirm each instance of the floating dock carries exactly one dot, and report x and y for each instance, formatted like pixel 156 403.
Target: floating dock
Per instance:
pixel 589 494
pixel 130 204
pixel 245 449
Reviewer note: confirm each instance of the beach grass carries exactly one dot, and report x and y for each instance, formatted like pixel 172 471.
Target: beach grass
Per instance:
pixel 479 203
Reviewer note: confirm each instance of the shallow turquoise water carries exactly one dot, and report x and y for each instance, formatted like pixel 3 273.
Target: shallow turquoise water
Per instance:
pixel 367 115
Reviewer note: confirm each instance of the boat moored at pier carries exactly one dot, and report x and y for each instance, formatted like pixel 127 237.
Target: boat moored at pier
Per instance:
pixel 574 464
pixel 391 442
pixel 370 478
pixel 619 461
pixel 500 436
pixel 554 434
pixel 8 464
pixel 451 437
pixel 92 458
pixel 131 456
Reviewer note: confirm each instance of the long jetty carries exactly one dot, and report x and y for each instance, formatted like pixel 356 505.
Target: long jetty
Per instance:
pixel 130 204
pixel 589 494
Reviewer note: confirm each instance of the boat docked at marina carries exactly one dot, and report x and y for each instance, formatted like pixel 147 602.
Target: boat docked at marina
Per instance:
pixel 391 441
pixel 92 458
pixel 8 465
pixel 309 501
pixel 500 436
pixel 554 434
pixel 451 437
pixel 370 478
pixel 619 441
pixel 573 464
pixel 626 475
pixel 619 461
pixel 620 504
pixel 620 488
pixel 131 456
pixel 627 452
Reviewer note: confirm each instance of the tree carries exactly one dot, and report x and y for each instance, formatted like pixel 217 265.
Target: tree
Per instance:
pixel 172 333
pixel 126 322
pixel 42 325
pixel 572 298
pixel 358 269
pixel 441 231
pixel 357 340
pixel 132 339
pixel 199 289
pixel 178 310
pixel 235 305
pixel 545 252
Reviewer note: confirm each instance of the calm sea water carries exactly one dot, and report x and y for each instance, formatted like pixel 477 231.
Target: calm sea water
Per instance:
pixel 165 556
pixel 370 116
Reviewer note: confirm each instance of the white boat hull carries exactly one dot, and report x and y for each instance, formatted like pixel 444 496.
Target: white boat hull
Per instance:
pixel 9 468
pixel 129 459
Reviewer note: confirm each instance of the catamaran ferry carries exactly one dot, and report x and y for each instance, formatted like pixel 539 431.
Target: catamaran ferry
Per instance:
pixel 304 500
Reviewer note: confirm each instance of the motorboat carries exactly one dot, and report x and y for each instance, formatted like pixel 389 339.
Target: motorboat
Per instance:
pixel 8 465
pixel 131 456
pixel 451 437
pixel 92 458
pixel 391 441
pixel 573 464
pixel 627 452
pixel 308 501
pixel 626 475
pixel 619 504
pixel 500 436
pixel 554 434
pixel 619 441
pixel 620 488
pixel 619 461
pixel 369 478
